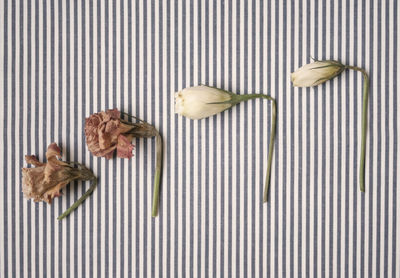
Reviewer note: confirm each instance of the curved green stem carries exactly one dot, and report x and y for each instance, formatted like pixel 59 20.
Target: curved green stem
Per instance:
pixel 157 175
pixel 239 98
pixel 151 132
pixel 271 149
pixel 80 201
pixel 363 124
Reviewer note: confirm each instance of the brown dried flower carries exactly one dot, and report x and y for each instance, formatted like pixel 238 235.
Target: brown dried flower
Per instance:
pixel 44 182
pixel 107 132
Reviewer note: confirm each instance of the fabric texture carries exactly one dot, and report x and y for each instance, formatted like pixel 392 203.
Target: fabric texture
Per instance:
pixel 61 61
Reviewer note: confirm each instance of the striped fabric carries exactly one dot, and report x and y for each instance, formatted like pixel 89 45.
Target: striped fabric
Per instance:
pixel 60 61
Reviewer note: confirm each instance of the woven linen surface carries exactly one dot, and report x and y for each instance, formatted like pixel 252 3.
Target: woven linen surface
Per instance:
pixel 61 61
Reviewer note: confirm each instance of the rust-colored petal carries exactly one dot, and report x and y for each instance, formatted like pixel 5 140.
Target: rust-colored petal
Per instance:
pixel 31 159
pixel 53 153
pixel 99 142
pixel 114 113
pixel 108 134
pixel 124 147
pixel 102 131
pixel 31 182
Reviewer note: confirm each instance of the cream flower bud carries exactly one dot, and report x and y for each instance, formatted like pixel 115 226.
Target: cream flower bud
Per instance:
pixel 201 101
pixel 316 73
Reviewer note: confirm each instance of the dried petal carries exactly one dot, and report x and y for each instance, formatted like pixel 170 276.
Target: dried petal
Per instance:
pixel 31 159
pixel 44 182
pixel 103 131
pixel 124 148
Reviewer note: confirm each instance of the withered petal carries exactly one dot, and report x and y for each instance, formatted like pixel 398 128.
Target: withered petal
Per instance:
pixel 44 182
pixel 124 147
pixel 32 159
pixel 49 195
pixel 114 113
pixel 103 131
pixel 53 151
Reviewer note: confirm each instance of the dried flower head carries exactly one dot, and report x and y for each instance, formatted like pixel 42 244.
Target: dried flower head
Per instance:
pixel 107 132
pixel 319 72
pixel 201 101
pixel 44 182
pixel 316 73
pixel 204 101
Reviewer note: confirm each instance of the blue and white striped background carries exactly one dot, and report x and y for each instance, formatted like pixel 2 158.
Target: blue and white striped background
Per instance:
pixel 63 60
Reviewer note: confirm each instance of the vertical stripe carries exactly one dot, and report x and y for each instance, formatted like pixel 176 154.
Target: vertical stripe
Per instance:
pixel 12 128
pixel 137 44
pixel 74 69
pixel 395 142
pixel 129 61
pixel 97 90
pixel 309 140
pixel 2 189
pixel 346 253
pixel 386 75
pixel 262 238
pixel 276 35
pixel 90 110
pixel 19 200
pixel 357 225
pixel 175 88
pixel 36 93
pixel 83 92
pixel 370 203
pixel 5 139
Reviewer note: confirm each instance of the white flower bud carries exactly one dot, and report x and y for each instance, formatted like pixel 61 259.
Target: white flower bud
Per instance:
pixel 201 101
pixel 316 73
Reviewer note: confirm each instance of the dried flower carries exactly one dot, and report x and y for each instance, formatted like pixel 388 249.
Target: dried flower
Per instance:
pixel 44 182
pixel 194 102
pixel 318 72
pixel 204 101
pixel 106 131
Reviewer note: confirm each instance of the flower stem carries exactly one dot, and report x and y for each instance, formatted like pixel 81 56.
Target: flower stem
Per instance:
pixel 157 175
pixel 240 98
pixel 147 131
pixel 80 201
pixel 363 124
pixel 271 149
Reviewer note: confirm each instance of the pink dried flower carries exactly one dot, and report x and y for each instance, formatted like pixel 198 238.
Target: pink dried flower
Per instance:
pixel 44 182
pixel 105 132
